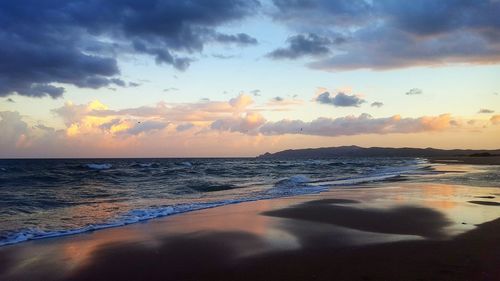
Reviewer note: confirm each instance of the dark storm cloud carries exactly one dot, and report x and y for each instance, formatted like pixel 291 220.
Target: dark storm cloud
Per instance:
pixel 162 55
pixel 429 17
pixel 340 11
pixel 76 42
pixel 399 33
pixel 303 45
pixel 340 99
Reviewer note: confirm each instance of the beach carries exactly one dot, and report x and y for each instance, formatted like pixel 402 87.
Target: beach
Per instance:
pixel 383 231
pixel 254 140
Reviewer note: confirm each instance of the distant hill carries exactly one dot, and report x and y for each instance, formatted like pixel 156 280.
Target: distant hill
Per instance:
pixel 356 151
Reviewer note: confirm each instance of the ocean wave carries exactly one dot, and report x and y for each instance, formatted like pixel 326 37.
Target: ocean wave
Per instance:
pixel 146 165
pixel 176 179
pixel 103 166
pixel 294 181
pixel 131 217
pixel 295 185
pixel 186 164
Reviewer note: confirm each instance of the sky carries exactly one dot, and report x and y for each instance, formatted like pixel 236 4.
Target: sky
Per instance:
pixel 199 78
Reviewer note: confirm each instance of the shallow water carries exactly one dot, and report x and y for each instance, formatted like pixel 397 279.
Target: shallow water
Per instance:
pixel 47 198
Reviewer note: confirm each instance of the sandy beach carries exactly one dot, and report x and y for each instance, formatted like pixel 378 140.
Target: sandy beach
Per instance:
pixel 389 231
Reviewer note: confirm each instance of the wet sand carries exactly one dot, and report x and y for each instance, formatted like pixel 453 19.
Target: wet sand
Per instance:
pixel 392 231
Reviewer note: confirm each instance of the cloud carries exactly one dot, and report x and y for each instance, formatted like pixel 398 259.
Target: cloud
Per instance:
pixel 143 127
pixel 10 100
pixel 303 45
pixel 97 118
pixel 414 91
pixel 93 129
pixel 241 101
pixel 334 12
pixel 17 135
pixel 12 128
pixel 184 127
pixel 392 34
pixel 240 39
pixel 362 124
pixel 96 125
pixel 247 123
pixel 340 99
pixel 71 113
pixel 377 104
pixel 495 119
pixel 108 125
pixel 485 111
pixel 255 92
pixel 43 43
pixel 171 89
pixel 279 103
pixel 222 56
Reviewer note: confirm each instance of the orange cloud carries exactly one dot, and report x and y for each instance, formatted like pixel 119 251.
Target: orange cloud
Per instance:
pixel 204 128
pixel 244 124
pixel 357 125
pixel 436 123
pixel 495 119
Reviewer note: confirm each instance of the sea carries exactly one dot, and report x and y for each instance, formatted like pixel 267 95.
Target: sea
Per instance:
pixel 42 198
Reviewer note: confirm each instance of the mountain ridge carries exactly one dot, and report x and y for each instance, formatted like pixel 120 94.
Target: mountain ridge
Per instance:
pixel 358 151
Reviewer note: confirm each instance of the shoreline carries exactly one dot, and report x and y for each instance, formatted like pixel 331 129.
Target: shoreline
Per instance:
pixel 344 233
pixel 273 191
pixel 166 212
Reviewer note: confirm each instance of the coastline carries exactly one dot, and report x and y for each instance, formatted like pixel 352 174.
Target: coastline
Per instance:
pixel 118 211
pixel 488 160
pixel 384 231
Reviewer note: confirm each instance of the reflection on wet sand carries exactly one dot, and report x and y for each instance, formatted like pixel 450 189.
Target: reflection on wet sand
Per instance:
pixel 340 234
pixel 487 203
pixel 409 220
pixel 214 255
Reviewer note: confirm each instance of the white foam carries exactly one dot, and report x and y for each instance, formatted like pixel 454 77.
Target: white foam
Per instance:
pixel 187 164
pixel 131 217
pixel 293 181
pixel 294 185
pixel 103 166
